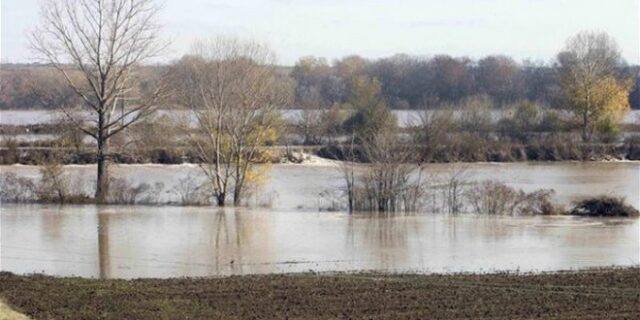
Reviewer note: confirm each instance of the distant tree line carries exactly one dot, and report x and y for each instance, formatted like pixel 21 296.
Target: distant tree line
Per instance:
pixel 409 82
pixel 406 82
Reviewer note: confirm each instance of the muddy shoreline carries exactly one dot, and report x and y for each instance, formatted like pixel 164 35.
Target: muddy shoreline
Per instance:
pixel 609 293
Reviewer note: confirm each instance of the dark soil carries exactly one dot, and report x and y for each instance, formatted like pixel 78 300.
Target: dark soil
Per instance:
pixel 593 294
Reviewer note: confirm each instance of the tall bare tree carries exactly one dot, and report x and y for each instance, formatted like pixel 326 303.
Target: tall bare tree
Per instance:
pixel 104 40
pixel 233 91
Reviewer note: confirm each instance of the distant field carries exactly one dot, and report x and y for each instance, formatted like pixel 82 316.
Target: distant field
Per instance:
pixel 592 294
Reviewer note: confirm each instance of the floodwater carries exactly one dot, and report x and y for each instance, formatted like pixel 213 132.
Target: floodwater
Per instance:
pixel 133 242
pixel 405 117
pixel 291 186
pixel 294 236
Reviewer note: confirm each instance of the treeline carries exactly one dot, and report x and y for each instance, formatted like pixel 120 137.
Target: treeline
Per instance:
pixel 37 86
pixel 407 82
pixel 417 82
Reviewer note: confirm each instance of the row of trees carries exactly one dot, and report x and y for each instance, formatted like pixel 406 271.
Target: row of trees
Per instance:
pixel 440 81
pixel 405 81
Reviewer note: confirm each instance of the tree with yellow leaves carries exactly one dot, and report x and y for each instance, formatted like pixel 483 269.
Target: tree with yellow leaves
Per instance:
pixel 590 85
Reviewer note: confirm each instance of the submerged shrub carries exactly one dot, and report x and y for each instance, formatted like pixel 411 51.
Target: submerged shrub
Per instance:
pixel 192 191
pixel 122 192
pixel 604 206
pixel 17 189
pixel 390 182
pixel 496 198
pixel 54 185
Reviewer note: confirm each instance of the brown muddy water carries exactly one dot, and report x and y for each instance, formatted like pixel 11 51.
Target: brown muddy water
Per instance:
pixel 294 236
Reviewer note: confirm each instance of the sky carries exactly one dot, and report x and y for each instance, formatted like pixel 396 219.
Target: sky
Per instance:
pixel 523 29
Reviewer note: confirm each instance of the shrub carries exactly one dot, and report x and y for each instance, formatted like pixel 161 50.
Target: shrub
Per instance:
pixel 632 146
pixel 552 122
pixel 54 185
pixel 608 130
pixel 496 198
pixel 122 192
pixel 192 191
pixel 604 206
pixel 16 189
pixel 385 184
pixel 11 152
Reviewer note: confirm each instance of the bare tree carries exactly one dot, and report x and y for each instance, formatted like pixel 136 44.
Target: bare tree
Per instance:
pixel 105 41
pixel 390 181
pixel 454 183
pixel 231 87
pixel 203 87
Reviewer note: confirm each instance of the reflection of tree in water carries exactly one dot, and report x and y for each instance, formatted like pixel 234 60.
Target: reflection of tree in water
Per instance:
pixel 104 253
pixel 219 244
pixel 230 236
pixel 53 220
pixel 385 236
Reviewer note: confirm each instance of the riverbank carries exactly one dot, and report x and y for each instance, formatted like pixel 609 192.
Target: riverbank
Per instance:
pixel 611 293
pixel 278 154
pixel 465 151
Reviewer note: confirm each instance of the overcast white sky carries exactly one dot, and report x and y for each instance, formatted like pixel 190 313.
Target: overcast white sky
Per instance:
pixel 534 29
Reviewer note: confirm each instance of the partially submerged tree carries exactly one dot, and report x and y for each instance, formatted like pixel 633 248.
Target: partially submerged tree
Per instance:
pixel 104 41
pixel 588 76
pixel 232 89
pixel 390 181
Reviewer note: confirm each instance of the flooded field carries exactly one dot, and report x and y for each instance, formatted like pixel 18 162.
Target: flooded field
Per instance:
pixel 132 242
pixel 292 186
pixel 294 236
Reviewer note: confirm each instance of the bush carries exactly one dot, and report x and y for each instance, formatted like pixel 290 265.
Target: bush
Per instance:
pixel 54 185
pixel 632 146
pixel 604 206
pixel 552 122
pixel 496 198
pixel 17 189
pixel 11 153
pixel 192 191
pixel 122 192
pixel 608 130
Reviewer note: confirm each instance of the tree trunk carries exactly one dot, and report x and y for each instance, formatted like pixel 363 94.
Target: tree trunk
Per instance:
pixel 221 199
pixel 237 195
pixel 102 182
pixel 240 176
pixel 586 136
